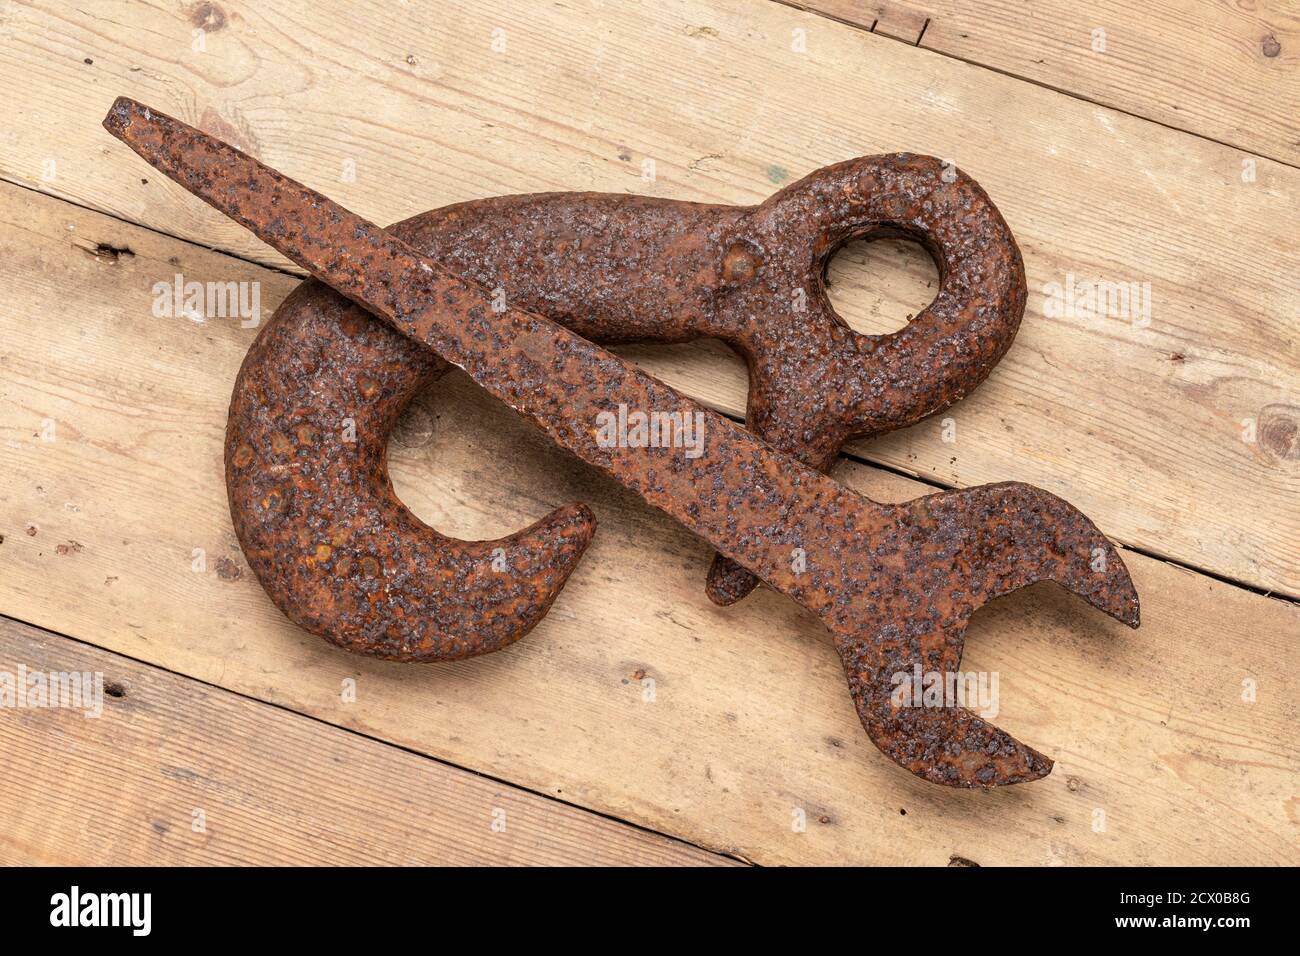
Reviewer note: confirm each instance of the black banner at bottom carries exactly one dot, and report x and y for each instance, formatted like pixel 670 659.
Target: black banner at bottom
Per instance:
pixel 338 905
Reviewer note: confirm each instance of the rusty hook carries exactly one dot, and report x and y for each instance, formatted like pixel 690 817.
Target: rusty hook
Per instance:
pixel 613 269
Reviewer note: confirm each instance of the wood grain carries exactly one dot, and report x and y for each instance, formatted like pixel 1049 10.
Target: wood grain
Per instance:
pixel 1225 70
pixel 173 772
pixel 635 697
pixel 1177 437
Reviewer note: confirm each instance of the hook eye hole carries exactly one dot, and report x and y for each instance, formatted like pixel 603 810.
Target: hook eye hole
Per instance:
pixel 876 284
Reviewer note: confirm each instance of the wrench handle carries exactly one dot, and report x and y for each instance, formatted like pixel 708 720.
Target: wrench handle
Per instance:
pixel 752 503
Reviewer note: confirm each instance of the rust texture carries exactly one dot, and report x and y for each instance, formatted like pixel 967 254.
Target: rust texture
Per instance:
pixel 617 269
pixel 613 269
pixel 895 584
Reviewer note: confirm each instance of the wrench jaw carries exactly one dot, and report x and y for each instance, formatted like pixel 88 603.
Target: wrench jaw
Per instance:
pixel 947 745
pixel 901 672
pixel 1021 535
pixel 949 554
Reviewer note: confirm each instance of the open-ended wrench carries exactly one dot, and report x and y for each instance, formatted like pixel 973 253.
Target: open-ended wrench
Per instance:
pixel 895 584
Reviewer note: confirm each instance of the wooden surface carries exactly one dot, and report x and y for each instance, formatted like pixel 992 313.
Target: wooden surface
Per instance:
pixel 176 772
pixel 750 723
pixel 1224 70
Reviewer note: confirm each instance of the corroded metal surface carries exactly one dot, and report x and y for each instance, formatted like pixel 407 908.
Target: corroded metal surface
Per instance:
pixel 613 269
pixel 306 469
pixel 895 584
pixel 617 268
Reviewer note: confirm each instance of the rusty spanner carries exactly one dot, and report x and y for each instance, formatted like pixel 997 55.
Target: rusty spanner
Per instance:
pixel 895 584
pixel 613 269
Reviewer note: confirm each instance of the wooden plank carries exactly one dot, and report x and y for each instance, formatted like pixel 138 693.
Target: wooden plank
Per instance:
pixel 749 722
pixel 900 21
pixel 1144 428
pixel 1227 71
pixel 169 771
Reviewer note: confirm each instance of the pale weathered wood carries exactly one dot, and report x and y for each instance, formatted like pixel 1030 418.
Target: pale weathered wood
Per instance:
pixel 750 721
pixel 172 771
pixel 901 21
pixel 1143 428
pixel 1229 71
